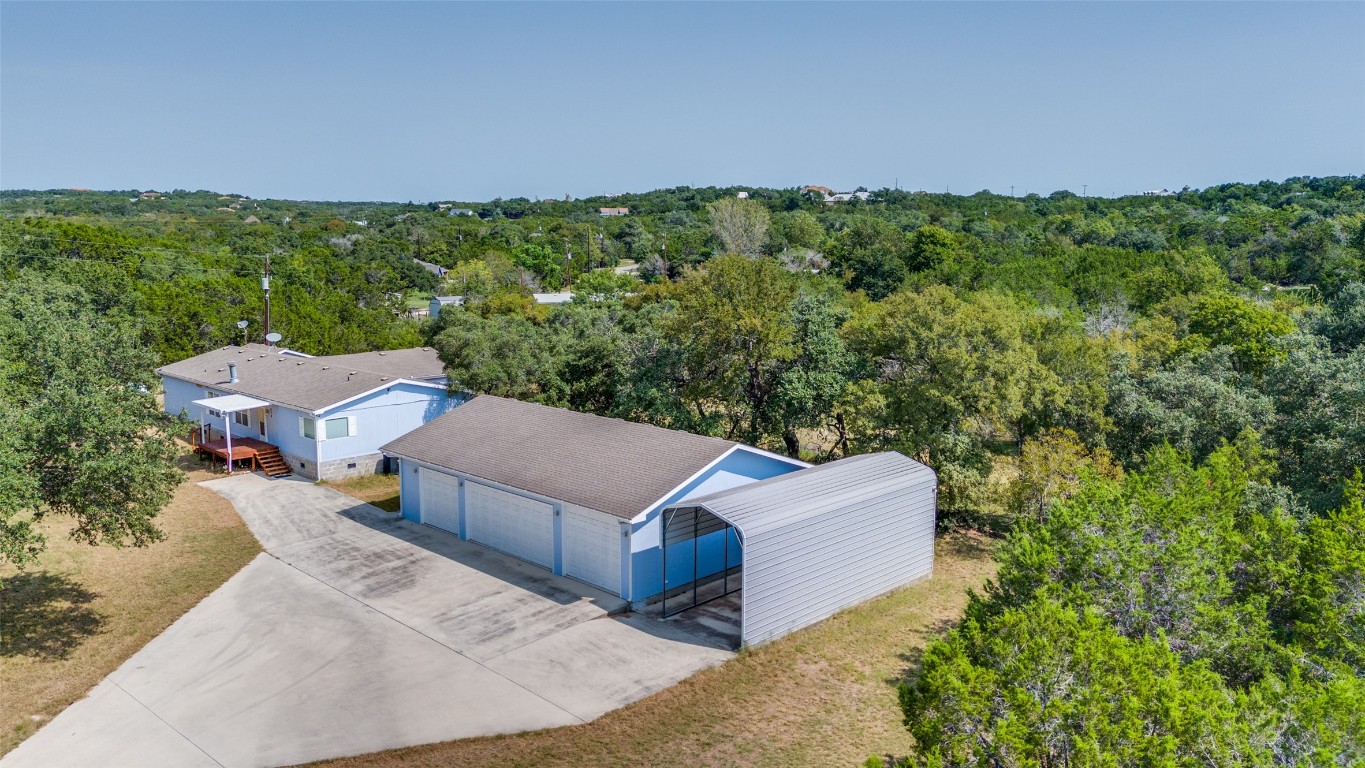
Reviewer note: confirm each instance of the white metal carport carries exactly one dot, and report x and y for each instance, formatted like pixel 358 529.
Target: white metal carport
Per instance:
pixel 812 542
pixel 226 406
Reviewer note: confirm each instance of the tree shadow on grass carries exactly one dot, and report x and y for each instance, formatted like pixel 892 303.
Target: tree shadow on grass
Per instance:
pixel 914 658
pixel 45 615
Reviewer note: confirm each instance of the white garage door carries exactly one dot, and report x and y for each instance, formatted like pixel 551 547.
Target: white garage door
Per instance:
pixel 440 500
pixel 592 547
pixel 514 524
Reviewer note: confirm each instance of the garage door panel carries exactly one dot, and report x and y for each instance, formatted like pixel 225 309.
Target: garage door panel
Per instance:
pixel 592 547
pixel 514 524
pixel 440 500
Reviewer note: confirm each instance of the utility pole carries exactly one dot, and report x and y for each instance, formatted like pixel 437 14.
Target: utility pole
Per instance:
pixel 1011 190
pixel 265 286
pixel 1084 187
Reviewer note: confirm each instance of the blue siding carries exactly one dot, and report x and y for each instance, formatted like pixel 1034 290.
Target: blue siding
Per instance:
pixel 180 396
pixel 382 417
pixel 285 429
pixel 409 491
pixel 646 557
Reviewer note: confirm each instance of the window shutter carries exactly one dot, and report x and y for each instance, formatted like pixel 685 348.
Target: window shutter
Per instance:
pixel 350 426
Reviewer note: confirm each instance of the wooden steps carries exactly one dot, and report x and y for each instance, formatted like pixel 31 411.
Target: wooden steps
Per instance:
pixel 271 462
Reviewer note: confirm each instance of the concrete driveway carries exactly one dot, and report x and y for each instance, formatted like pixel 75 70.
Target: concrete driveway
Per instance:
pixel 356 632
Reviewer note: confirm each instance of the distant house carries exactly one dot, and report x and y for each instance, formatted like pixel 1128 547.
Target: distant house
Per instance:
pixel 252 220
pixel 435 269
pixel 742 195
pixel 328 415
pixel 613 211
pixel 830 197
pixel 462 212
pixel 149 195
pixel 1163 192
pixel 562 297
pixel 844 197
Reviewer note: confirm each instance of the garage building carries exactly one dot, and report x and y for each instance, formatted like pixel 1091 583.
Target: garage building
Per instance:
pixel 622 505
pixel 572 492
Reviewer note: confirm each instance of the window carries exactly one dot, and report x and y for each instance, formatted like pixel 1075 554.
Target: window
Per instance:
pixel 309 428
pixel 242 417
pixel 339 427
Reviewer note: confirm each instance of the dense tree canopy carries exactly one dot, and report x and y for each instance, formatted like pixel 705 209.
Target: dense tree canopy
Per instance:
pixel 1158 398
pixel 81 433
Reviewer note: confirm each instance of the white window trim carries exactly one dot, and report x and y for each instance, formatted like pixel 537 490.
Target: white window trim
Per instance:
pixel 302 433
pixel 350 427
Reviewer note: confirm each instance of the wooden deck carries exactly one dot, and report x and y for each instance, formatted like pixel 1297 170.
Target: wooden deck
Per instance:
pixel 246 451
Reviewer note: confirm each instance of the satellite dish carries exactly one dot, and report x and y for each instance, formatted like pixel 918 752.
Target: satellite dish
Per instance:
pixel 273 337
pixel 242 324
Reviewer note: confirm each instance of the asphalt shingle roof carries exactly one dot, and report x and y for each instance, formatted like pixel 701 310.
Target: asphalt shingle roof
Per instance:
pixel 614 466
pixel 309 383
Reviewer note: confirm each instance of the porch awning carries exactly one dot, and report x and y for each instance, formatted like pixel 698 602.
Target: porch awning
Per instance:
pixel 232 403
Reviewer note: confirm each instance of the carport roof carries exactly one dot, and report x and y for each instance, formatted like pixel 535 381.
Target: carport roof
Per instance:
pixel 796 496
pixel 614 466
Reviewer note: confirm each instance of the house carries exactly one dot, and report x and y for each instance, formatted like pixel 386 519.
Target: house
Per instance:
pixel 742 195
pixel 328 415
pixel 824 192
pixel 435 269
pixel 613 211
pixel 462 212
pixel 149 195
pixel 251 220
pixel 660 516
pixel 844 197
pixel 561 297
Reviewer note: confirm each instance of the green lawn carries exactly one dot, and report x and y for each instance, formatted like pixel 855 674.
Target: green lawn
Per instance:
pixel 379 490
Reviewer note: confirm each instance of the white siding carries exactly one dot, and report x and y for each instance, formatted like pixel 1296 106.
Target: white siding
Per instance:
pixel 514 524
pixel 440 500
pixel 801 573
pixel 592 547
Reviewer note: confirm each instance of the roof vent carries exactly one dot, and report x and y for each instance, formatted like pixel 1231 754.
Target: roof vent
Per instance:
pixel 352 373
pixel 383 378
pixel 232 373
pixel 326 367
pixel 299 363
pixel 381 354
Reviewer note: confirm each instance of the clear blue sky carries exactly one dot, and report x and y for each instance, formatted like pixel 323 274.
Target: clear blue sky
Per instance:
pixel 425 101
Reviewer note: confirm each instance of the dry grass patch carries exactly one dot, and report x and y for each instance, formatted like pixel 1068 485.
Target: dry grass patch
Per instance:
pixel 379 490
pixel 825 696
pixel 80 611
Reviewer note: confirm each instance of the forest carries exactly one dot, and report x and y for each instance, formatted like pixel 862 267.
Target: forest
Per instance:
pixel 1156 404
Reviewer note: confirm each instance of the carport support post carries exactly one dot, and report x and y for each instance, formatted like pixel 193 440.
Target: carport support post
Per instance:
pixel 227 430
pixel 725 565
pixel 696 518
